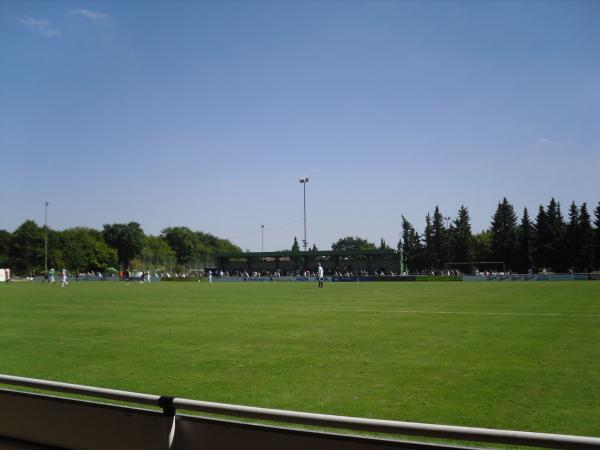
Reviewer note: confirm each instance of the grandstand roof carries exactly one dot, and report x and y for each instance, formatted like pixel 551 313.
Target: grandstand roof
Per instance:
pixel 310 253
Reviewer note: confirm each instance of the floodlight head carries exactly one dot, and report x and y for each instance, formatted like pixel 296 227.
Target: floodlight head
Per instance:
pixel 304 180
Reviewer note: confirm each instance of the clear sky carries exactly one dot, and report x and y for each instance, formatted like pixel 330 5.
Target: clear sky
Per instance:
pixel 205 114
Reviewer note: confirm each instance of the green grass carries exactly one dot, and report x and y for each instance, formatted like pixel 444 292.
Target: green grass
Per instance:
pixel 504 355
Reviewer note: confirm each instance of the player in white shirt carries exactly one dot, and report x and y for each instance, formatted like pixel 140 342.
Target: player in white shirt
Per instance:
pixel 320 275
pixel 63 278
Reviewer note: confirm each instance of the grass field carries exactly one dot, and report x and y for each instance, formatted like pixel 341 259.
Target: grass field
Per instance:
pixel 504 355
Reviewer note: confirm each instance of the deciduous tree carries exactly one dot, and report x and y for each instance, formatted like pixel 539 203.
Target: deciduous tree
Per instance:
pixel 126 239
pixel 352 244
pixel 182 241
pixel 84 249
pixel 482 246
pixel 26 249
pixel 4 246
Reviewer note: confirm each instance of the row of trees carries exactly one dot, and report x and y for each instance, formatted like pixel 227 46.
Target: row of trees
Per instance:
pixel 546 242
pixel 345 244
pixel 119 245
pixel 549 241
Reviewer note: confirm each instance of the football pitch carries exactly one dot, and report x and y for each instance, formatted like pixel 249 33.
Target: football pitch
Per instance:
pixel 520 355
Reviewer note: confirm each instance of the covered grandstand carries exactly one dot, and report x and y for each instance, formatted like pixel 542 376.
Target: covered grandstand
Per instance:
pixel 369 261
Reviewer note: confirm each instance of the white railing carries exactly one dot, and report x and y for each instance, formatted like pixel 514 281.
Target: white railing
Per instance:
pixel 169 406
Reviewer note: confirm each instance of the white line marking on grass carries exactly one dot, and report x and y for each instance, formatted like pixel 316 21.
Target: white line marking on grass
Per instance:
pixel 408 311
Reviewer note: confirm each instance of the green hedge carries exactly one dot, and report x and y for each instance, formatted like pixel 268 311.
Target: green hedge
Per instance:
pixel 438 278
pixel 179 279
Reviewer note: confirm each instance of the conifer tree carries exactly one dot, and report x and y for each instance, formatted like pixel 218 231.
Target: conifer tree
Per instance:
pixel 411 247
pixel 573 239
pixel 504 234
pixel 597 237
pixel 526 237
pixel 439 240
pixel 556 227
pixel 550 243
pixel 586 262
pixel 541 251
pixel 428 238
pixel 461 240
pixel 295 246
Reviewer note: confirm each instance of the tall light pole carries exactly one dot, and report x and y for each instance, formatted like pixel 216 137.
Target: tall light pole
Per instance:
pixel 46 237
pixel 262 238
pixel 304 181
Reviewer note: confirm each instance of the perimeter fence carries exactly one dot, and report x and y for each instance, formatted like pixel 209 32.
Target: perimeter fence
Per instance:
pixel 34 421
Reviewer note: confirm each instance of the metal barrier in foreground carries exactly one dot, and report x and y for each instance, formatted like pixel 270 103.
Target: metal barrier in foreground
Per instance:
pixel 42 422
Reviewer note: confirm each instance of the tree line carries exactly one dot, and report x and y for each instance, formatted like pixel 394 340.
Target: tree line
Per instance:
pixel 119 246
pixel 546 242
pixel 549 241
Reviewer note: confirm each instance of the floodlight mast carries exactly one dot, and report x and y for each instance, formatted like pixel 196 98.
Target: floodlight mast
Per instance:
pixel 262 239
pixel 304 180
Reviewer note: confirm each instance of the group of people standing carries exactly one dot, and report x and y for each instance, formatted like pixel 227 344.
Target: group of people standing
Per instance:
pixel 146 277
pixel 49 277
pixel 320 275
pixel 143 277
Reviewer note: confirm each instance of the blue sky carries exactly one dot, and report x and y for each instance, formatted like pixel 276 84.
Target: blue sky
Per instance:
pixel 205 114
